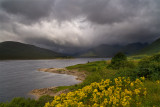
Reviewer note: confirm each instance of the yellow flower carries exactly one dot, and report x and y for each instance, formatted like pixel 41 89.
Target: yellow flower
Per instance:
pixel 47 104
pixel 95 91
pixel 132 84
pixel 157 81
pixel 137 91
pixel 103 94
pixel 143 78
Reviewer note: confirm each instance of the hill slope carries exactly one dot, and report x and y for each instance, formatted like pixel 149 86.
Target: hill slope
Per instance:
pixel 133 48
pixel 101 51
pixel 16 50
pixel 152 48
pixel 111 50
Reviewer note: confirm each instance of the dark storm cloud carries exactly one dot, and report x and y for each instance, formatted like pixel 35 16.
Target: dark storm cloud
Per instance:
pixel 31 9
pixel 100 11
pixel 4 17
pixel 68 25
pixel 109 11
pixel 48 44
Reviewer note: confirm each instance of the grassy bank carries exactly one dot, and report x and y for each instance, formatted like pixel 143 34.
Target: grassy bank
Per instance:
pixel 147 67
pixel 120 66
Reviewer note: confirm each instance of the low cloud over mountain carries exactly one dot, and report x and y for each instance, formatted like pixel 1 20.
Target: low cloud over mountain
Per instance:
pixel 73 25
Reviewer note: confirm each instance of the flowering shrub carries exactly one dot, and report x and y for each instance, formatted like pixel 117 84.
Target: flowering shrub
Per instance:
pixel 149 67
pixel 120 92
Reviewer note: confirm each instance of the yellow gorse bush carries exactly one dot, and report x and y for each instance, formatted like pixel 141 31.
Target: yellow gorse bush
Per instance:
pixel 120 92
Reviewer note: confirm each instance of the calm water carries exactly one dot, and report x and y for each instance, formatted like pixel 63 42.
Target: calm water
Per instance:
pixel 17 78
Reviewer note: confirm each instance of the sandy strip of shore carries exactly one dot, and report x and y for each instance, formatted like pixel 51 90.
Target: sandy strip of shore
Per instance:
pixel 50 91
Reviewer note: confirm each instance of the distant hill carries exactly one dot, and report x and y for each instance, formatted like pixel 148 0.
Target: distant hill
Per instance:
pixel 101 51
pixel 111 50
pixel 152 48
pixel 16 50
pixel 133 48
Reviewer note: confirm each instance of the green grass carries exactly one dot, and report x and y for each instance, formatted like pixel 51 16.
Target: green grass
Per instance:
pixel 60 88
pixel 96 71
pixel 153 94
pixel 152 48
pixel 137 57
pixel 23 102
pixel 89 67
pixel 99 70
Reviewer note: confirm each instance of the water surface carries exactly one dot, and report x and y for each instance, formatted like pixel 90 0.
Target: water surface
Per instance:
pixel 18 77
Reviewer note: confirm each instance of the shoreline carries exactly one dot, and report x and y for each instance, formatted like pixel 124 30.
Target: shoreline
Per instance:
pixel 51 91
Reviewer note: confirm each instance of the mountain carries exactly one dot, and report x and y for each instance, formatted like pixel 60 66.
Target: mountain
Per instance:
pixel 110 50
pixel 101 51
pixel 16 50
pixel 152 48
pixel 133 48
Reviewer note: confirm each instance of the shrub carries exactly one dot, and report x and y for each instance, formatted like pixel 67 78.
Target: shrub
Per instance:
pixel 20 102
pixel 118 58
pixel 128 72
pixel 42 100
pixel 120 61
pixel 149 67
pixel 121 92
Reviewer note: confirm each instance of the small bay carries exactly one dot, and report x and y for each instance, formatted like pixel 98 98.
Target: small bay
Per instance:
pixel 19 77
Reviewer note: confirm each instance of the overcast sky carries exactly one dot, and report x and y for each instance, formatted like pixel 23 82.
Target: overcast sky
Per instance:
pixel 66 25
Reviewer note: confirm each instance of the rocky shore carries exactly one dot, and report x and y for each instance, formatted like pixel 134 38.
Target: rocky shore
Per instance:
pixel 46 91
pixel 51 90
pixel 80 75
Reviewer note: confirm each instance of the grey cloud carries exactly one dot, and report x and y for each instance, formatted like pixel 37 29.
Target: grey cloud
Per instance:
pixel 48 44
pixel 99 11
pixel 104 11
pixel 4 17
pixel 71 25
pixel 30 9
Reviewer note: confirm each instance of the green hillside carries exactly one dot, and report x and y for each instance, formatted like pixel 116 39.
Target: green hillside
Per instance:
pixel 131 49
pixel 111 50
pixel 16 50
pixel 101 51
pixel 152 48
